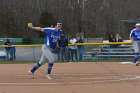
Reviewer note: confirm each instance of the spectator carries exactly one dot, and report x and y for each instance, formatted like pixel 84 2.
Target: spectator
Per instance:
pixel 119 38
pixel 80 48
pixel 62 44
pixel 12 50
pixel 7 49
pixel 72 50
pixel 112 38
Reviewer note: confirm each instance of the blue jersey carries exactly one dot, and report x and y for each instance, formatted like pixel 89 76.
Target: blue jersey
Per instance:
pixel 135 35
pixel 51 37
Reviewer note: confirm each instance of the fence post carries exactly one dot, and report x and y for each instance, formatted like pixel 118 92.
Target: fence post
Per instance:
pixel 109 52
pixel 34 53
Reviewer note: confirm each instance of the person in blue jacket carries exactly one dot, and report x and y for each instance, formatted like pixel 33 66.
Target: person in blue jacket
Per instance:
pixel 12 50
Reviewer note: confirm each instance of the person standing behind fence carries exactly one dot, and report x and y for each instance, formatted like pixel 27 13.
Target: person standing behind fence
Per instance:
pixel 112 38
pixel 119 38
pixel 62 44
pixel 80 48
pixel 49 48
pixel 7 49
pixel 12 50
pixel 73 50
pixel 135 38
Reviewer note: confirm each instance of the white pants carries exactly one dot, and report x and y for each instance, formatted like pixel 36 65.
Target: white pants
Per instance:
pixel 136 46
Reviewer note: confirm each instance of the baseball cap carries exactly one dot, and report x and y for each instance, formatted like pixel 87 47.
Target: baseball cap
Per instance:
pixel 138 24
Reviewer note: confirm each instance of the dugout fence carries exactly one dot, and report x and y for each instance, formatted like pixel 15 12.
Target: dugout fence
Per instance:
pixel 109 51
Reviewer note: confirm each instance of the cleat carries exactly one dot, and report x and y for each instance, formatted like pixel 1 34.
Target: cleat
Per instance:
pixel 30 73
pixel 137 64
pixel 48 76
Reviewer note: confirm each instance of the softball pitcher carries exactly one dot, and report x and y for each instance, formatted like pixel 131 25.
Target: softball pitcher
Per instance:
pixel 135 38
pixel 49 47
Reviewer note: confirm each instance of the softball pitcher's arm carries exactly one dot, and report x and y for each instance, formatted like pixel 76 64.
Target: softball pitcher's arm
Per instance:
pixel 30 25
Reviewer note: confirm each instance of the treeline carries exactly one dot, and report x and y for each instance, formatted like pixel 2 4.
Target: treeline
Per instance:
pixel 93 18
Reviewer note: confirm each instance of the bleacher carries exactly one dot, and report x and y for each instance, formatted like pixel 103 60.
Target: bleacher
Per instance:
pixel 103 52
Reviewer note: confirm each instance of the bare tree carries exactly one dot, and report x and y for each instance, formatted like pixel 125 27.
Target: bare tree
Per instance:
pixel 94 18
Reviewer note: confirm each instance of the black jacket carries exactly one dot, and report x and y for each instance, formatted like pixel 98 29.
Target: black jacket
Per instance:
pixel 63 41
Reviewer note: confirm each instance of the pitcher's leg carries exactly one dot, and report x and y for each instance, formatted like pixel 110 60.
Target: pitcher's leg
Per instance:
pixel 50 57
pixel 50 65
pixel 37 65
